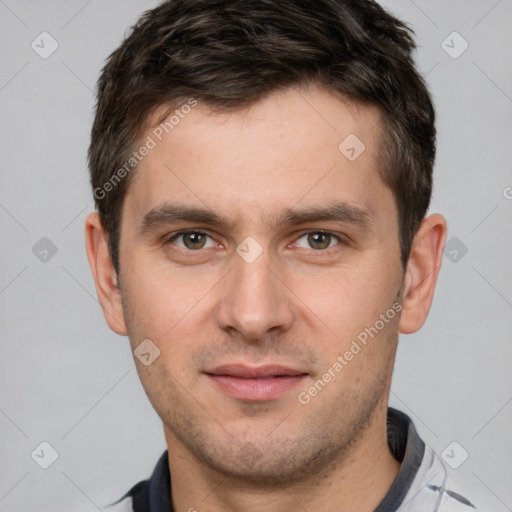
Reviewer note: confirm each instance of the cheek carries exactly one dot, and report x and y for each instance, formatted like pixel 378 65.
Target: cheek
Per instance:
pixel 346 299
pixel 165 304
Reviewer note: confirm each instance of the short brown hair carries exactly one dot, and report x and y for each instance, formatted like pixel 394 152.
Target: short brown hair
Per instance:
pixel 228 54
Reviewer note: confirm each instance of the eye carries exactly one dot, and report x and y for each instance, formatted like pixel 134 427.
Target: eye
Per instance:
pixel 192 240
pixel 317 240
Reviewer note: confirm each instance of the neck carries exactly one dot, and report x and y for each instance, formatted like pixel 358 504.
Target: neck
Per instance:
pixel 357 482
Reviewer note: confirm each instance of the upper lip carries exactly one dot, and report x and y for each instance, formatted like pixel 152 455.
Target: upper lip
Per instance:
pixel 254 372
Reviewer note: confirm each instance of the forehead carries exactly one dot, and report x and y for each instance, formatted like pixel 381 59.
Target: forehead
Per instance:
pixel 295 147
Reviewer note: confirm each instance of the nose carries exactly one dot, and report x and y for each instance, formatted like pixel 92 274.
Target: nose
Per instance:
pixel 255 299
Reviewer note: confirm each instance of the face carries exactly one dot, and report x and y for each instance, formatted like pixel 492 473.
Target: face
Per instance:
pixel 263 262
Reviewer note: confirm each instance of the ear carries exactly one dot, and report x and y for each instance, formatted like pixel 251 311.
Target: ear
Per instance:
pixel 421 273
pixel 105 276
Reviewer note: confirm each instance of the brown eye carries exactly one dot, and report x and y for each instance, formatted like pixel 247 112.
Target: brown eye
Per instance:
pixel 317 240
pixel 192 240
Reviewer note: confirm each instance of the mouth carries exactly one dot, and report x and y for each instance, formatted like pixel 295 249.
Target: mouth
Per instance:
pixel 256 384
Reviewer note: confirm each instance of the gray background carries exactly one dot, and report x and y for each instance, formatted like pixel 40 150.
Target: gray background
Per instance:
pixel 66 379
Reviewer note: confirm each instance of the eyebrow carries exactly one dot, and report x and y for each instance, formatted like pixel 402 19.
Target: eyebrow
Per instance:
pixel 168 213
pixel 171 213
pixel 337 212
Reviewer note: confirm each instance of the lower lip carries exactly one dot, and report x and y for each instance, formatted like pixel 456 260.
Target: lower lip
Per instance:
pixel 256 390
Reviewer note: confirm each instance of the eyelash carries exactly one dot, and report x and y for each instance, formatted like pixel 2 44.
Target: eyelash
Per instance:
pixel 318 252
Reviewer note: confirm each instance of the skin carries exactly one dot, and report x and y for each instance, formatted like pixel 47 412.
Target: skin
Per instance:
pixel 298 303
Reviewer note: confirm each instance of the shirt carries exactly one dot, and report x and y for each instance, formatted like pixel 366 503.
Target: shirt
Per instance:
pixel 422 483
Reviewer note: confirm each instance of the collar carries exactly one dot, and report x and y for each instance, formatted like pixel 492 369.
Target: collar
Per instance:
pixel 154 495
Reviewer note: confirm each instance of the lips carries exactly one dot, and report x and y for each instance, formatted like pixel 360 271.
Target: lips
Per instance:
pixel 261 383
pixel 261 372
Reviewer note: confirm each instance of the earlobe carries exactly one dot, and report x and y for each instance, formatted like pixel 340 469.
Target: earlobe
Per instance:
pixel 104 274
pixel 422 272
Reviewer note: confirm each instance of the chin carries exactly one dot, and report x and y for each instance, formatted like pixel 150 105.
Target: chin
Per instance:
pixel 271 464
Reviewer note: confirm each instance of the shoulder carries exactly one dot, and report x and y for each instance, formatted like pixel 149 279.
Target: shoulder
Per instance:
pixel 126 505
pixel 459 495
pixel 135 500
pixel 151 495
pixel 123 505
pixel 435 489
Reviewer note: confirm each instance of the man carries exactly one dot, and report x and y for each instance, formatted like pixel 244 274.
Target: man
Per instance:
pixel 262 171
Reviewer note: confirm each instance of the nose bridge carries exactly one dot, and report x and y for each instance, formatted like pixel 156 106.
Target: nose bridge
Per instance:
pixel 254 300
pixel 254 277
